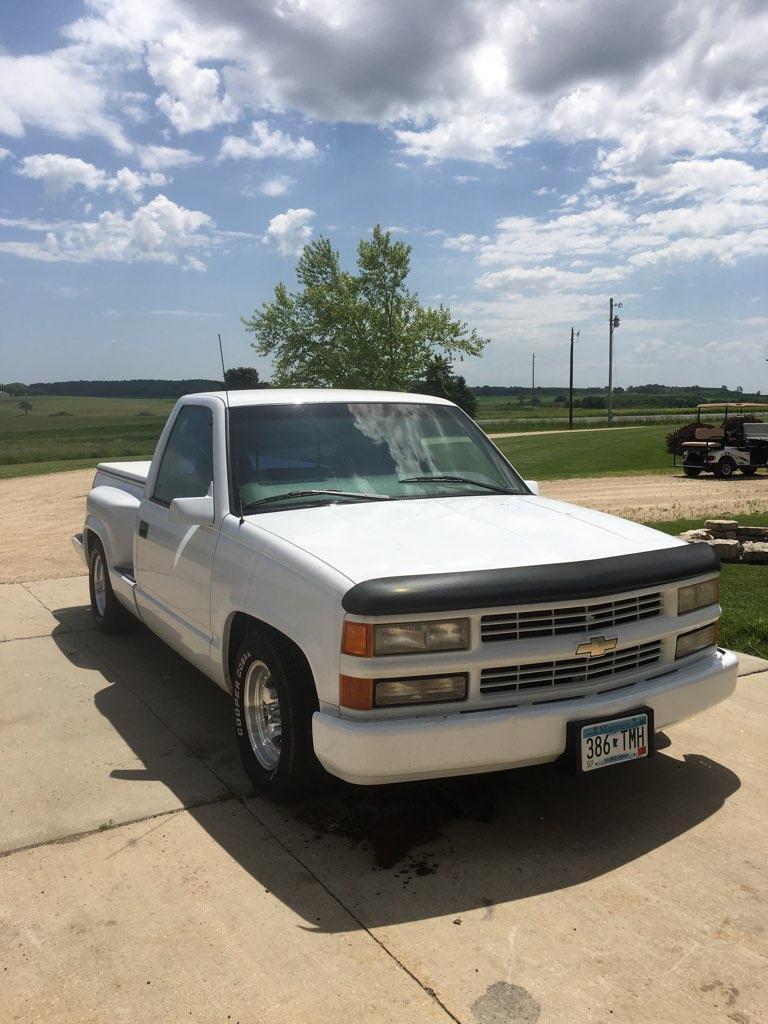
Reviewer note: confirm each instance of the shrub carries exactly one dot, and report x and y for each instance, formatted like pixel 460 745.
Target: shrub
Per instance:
pixel 687 432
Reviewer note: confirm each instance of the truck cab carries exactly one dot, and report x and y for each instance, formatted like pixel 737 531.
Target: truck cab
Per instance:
pixel 386 599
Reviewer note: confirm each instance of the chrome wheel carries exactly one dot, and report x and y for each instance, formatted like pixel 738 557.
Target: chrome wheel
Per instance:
pixel 100 584
pixel 262 715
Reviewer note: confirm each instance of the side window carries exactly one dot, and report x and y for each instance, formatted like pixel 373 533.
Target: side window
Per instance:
pixel 186 468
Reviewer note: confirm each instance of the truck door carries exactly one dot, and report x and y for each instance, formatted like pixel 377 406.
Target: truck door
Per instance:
pixel 174 560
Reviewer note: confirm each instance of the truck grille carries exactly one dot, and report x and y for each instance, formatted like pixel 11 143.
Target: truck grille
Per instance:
pixel 568 671
pixel 557 621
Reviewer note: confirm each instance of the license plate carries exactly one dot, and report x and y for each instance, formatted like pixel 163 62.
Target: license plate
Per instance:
pixel 615 741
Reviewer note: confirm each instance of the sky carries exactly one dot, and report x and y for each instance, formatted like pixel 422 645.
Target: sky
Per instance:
pixel 161 165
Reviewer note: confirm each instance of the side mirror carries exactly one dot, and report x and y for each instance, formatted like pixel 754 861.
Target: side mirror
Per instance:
pixel 532 485
pixel 192 511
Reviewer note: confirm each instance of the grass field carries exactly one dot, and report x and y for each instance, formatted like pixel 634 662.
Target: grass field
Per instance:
pixel 69 433
pixel 505 407
pixel 743 594
pixel 597 453
pixel 73 433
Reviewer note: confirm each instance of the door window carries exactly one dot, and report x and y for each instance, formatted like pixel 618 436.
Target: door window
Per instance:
pixel 186 468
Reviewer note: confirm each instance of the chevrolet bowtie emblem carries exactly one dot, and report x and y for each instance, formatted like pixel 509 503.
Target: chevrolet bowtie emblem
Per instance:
pixel 597 646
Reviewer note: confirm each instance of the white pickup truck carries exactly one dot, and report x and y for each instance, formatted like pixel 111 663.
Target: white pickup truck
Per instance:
pixel 386 599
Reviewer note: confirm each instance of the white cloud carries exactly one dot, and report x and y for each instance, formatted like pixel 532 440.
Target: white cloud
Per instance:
pixel 159 158
pixel 276 186
pixel 464 179
pixel 4 153
pixel 266 142
pixel 289 232
pixel 61 173
pixel 193 99
pixel 59 92
pixel 161 231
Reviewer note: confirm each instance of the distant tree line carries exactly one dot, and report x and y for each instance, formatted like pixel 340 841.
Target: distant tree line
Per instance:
pixel 139 388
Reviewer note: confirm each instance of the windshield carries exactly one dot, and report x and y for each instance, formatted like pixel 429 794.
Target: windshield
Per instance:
pixel 292 455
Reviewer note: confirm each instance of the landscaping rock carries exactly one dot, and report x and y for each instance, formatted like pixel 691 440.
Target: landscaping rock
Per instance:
pixel 725 528
pixel 752 533
pixel 696 535
pixel 727 550
pixel 756 552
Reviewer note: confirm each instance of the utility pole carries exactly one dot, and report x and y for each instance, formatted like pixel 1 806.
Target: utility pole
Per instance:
pixel 533 379
pixel 570 388
pixel 613 322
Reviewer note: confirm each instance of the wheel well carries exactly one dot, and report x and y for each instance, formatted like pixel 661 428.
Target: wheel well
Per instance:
pixel 88 537
pixel 240 624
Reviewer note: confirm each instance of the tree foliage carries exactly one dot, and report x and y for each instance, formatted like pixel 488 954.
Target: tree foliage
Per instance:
pixel 25 406
pixel 441 381
pixel 243 378
pixel 358 330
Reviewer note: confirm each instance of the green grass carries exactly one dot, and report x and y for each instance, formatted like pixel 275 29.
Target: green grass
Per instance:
pixel 92 429
pixel 507 407
pixel 599 453
pixel 743 593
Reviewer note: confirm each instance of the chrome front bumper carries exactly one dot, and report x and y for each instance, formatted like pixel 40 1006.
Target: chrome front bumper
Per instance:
pixel 404 749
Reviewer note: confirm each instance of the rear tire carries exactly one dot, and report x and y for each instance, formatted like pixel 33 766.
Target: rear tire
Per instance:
pixel 692 470
pixel 109 614
pixel 748 470
pixel 275 698
pixel 724 468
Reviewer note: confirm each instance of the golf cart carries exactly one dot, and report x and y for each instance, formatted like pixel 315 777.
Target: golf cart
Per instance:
pixel 722 451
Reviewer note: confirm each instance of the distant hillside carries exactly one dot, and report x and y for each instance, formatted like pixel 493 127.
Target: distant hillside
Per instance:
pixel 125 388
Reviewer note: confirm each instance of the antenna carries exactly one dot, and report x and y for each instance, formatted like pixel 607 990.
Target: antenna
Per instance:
pixel 229 423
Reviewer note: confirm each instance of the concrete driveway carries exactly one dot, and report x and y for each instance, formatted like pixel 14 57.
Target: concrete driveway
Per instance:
pixel 141 882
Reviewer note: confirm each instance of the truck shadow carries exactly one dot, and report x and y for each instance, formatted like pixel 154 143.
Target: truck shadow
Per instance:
pixel 392 854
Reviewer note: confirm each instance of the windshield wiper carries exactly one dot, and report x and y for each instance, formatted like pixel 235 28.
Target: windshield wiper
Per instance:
pixel 356 495
pixel 446 478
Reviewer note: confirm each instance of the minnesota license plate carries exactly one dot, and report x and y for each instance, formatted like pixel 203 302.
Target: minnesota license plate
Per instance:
pixel 615 740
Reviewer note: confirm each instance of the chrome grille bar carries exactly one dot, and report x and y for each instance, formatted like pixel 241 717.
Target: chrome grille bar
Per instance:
pixel 544 622
pixel 568 671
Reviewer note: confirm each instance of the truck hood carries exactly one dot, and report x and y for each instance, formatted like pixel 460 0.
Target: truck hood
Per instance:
pixel 438 535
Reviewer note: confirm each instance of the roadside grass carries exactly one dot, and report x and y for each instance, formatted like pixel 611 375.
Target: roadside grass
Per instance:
pixel 68 432
pixel 599 453
pixel 743 592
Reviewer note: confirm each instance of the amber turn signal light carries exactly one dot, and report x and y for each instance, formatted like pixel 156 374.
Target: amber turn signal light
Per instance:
pixel 357 639
pixel 356 693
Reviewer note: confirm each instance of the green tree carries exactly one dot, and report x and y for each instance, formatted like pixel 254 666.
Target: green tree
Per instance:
pixel 242 378
pixel 362 330
pixel 441 381
pixel 25 406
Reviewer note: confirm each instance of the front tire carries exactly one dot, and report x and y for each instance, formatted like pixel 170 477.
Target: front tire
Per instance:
pixel 748 470
pixel 724 468
pixel 274 697
pixel 692 470
pixel 108 613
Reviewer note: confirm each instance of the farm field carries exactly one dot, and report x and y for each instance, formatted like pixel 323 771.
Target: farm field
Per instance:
pixel 77 432
pixel 70 433
pixel 506 407
pixel 589 453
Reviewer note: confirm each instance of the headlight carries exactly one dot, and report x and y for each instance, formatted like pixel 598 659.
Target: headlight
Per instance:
pixel 366 694
pixel 696 640
pixel 367 639
pixel 699 595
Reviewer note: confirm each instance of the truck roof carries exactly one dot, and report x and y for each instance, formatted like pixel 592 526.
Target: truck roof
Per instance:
pixel 291 396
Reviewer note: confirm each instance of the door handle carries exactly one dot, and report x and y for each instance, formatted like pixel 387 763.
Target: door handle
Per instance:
pixel 143 528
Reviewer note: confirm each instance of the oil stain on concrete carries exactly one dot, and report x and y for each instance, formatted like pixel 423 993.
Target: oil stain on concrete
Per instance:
pixel 503 1003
